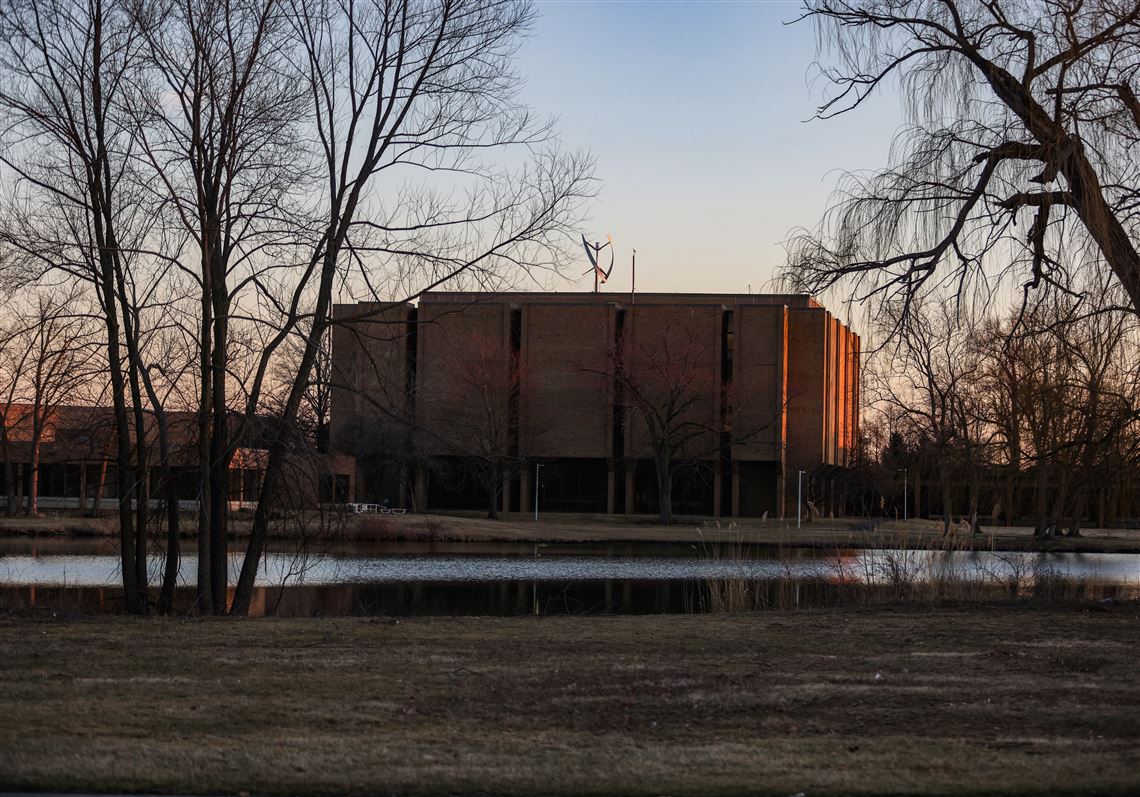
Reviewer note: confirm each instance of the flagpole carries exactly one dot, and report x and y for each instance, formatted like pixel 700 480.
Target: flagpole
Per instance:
pixel 633 280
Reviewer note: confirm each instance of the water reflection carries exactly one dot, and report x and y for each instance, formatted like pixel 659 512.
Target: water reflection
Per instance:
pixel 455 579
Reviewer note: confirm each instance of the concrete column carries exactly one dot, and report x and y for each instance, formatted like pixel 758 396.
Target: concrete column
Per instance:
pixel 421 488
pixel 526 497
pixel 82 486
pixel 781 498
pixel 735 491
pixel 630 503
pixel 718 475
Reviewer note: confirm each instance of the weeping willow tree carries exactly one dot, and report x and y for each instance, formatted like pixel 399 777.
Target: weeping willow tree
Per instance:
pixel 1018 164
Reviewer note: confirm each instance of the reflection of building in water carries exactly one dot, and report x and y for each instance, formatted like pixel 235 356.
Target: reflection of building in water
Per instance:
pixel 505 599
pixel 432 398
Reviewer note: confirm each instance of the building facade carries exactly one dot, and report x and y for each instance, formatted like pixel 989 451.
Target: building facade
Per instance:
pixel 74 467
pixel 459 401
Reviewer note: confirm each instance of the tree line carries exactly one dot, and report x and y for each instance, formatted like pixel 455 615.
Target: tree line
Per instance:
pixel 1029 418
pixel 202 180
pixel 1014 182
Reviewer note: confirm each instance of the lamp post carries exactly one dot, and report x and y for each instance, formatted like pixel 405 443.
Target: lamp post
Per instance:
pixel 537 468
pixel 799 497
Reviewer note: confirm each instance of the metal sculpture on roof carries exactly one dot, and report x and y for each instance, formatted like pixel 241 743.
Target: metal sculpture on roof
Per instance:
pixel 594 251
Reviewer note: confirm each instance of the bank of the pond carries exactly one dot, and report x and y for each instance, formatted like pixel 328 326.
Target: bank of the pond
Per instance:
pixel 951 700
pixel 569 528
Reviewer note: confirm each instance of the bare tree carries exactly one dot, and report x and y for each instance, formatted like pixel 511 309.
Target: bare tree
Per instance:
pixel 15 360
pixel 681 415
pixel 920 378
pixel 1039 408
pixel 66 68
pixel 475 414
pixel 1020 158
pixel 668 383
pixel 400 89
pixel 55 342
pixel 225 156
pixel 315 412
pixel 215 171
pixel 1074 386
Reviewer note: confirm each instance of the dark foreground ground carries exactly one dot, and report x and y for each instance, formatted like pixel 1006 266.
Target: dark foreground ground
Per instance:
pixel 990 700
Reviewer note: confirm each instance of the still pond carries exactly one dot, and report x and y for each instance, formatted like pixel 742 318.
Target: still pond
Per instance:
pixel 400 579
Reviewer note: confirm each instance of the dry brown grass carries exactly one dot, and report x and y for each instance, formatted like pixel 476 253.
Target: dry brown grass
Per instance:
pixel 824 534
pixel 936 701
pixel 472 527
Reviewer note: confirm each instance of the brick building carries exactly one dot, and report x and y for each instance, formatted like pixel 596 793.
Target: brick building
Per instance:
pixel 747 389
pixel 77 455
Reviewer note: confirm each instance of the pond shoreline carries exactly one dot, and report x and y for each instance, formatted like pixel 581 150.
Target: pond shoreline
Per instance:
pixel 827 534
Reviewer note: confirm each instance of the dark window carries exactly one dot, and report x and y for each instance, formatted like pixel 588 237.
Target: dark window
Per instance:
pixel 726 346
pixel 757 488
pixel 334 488
pixel 692 488
pixel 573 485
pixel 59 480
pixel 455 483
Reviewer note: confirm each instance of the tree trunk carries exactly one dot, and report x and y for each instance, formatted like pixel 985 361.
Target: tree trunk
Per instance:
pixel 99 487
pixel 170 494
pixel 173 547
pixel 916 491
pixel 664 490
pixel 1076 510
pixel 1010 498
pixel 141 484
pixel 1060 505
pixel 204 602
pixel 10 479
pixel 944 476
pixel 975 494
pixel 1041 503
pixel 278 447
pixel 34 477
pixel 83 487
pixel 219 468
pixel 493 483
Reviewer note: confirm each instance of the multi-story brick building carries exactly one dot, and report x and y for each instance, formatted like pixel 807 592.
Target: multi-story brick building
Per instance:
pixel 745 391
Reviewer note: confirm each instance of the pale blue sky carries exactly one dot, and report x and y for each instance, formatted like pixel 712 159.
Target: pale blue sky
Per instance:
pixel 695 112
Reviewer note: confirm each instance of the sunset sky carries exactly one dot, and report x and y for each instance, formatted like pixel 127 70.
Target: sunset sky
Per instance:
pixel 695 112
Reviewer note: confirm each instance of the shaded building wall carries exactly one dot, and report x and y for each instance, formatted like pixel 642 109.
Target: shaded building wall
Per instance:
pixel 372 413
pixel 672 353
pixel 566 402
pixel 778 377
pixel 463 355
pixel 759 418
pixel 463 412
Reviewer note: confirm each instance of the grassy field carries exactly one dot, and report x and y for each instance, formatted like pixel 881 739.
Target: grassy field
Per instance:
pixel 990 700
